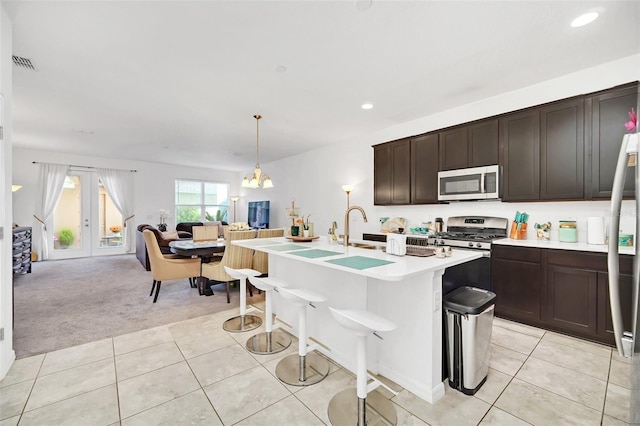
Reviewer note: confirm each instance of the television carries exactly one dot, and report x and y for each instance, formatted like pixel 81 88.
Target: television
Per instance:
pixel 258 216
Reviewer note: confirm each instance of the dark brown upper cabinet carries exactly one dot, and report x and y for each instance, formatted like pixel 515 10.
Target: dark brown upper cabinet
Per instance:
pixel 562 151
pixel 471 145
pixel 424 169
pixel 392 173
pixel 606 114
pixel 520 155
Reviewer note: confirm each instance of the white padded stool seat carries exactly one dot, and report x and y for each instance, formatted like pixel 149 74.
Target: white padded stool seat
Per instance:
pixel 301 296
pixel 270 341
pixel 357 406
pixel 268 283
pixel 242 322
pixel 306 367
pixel 362 322
pixel 239 274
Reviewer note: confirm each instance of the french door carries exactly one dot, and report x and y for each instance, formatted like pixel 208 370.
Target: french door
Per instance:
pixel 85 222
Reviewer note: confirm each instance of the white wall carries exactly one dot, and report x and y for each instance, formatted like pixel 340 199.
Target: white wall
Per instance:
pixel 154 183
pixel 7 355
pixel 314 179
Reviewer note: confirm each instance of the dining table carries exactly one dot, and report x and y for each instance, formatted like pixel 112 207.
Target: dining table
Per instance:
pixel 202 249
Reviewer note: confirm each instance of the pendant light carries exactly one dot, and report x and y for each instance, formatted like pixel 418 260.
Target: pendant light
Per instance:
pixel 258 179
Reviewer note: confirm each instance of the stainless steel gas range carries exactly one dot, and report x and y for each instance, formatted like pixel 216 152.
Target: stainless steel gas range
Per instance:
pixel 471 233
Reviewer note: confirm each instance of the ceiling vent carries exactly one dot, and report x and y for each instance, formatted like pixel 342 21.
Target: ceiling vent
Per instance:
pixel 25 63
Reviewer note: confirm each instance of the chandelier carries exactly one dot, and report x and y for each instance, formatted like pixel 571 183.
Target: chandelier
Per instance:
pixel 258 179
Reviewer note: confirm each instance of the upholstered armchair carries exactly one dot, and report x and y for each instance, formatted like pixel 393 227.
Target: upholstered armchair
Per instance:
pixel 165 268
pixel 234 257
pixel 163 239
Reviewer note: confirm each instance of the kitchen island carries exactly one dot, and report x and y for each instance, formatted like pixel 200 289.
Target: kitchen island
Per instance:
pixel 406 290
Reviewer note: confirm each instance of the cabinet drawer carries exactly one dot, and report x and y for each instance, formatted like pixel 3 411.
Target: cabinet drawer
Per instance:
pixel 524 254
pixel 587 261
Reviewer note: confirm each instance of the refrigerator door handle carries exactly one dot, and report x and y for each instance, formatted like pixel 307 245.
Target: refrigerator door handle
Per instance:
pixel 612 256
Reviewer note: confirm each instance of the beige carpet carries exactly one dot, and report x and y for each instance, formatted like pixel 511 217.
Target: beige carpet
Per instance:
pixel 64 303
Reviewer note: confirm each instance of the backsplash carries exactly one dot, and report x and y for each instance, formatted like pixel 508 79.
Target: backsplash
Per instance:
pixel 538 212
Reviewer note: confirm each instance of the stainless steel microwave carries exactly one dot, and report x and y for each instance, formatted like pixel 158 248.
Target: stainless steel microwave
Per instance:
pixel 474 183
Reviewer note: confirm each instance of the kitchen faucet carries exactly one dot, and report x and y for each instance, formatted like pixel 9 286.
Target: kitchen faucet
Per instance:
pixel 346 222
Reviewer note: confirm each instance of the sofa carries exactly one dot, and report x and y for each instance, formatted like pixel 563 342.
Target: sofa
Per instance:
pixel 163 238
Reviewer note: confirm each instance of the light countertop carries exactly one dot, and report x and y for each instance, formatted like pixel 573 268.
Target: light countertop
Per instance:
pixel 401 267
pixel 548 244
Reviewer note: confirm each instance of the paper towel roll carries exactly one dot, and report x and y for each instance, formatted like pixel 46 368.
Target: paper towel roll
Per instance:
pixel 595 230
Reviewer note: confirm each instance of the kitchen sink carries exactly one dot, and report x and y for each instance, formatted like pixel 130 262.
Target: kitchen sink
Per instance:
pixel 367 246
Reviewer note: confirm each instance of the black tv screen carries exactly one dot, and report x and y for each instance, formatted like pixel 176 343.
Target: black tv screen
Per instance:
pixel 258 216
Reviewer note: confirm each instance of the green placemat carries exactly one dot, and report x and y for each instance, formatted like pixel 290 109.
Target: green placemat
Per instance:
pixel 315 253
pixel 359 262
pixel 287 247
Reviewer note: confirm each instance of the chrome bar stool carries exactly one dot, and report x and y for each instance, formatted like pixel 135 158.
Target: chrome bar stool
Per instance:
pixel 351 406
pixel 268 342
pixel 242 322
pixel 307 367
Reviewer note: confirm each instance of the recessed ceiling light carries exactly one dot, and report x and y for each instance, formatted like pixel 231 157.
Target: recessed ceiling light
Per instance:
pixel 363 5
pixel 281 68
pixel 584 19
pixel 367 106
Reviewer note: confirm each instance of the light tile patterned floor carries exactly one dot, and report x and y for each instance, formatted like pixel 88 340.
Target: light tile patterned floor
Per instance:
pixel 194 372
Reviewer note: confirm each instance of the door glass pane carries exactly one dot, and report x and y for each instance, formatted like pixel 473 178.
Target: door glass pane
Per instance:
pixel 217 213
pixel 109 220
pixel 67 217
pixel 188 214
pixel 188 192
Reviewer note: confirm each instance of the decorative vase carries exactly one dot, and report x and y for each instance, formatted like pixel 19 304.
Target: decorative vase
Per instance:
pixel 305 233
pixel 295 231
pixel 162 227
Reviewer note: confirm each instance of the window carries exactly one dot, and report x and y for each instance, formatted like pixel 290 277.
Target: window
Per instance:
pixel 201 201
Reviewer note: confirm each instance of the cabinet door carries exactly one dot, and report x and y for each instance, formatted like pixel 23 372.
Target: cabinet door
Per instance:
pixel 572 299
pixel 607 114
pixel 562 151
pixel 518 287
pixel 520 155
pixel 424 169
pixel 483 143
pixel 382 164
pixel 605 323
pixel 453 149
pixel 401 172
pixel 391 173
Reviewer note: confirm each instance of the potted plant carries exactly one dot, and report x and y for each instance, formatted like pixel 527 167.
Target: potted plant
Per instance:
pixel 164 214
pixel 66 237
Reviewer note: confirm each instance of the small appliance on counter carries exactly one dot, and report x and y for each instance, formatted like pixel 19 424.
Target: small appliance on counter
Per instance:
pixel 396 244
pixel 568 231
pixel 595 230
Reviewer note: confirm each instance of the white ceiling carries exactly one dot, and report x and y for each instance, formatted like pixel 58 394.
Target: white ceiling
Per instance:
pixel 179 82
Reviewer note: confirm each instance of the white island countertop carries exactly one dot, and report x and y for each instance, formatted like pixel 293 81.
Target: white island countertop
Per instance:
pixel 406 290
pixel 398 268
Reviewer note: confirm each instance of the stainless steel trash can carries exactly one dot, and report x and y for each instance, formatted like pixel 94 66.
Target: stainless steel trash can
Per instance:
pixel 469 315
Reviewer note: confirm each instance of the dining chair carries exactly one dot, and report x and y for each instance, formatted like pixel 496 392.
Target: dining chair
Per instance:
pixel 234 257
pixel 260 258
pixel 167 267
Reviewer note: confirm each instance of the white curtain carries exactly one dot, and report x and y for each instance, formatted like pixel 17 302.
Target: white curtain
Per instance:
pixel 119 186
pixel 50 184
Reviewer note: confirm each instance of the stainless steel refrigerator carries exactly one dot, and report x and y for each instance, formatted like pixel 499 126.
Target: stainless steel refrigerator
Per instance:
pixel 627 335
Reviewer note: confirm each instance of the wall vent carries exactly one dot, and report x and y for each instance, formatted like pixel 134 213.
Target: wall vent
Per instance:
pixel 25 63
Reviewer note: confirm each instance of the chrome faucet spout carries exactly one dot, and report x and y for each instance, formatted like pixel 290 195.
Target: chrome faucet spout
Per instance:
pixel 346 222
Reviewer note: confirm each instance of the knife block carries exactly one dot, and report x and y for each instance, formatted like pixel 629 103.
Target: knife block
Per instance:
pixel 518 233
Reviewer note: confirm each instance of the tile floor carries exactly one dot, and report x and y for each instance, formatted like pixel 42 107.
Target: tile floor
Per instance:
pixel 193 372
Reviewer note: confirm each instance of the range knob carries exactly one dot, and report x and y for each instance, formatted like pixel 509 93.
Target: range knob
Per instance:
pixel 471 245
pixel 479 245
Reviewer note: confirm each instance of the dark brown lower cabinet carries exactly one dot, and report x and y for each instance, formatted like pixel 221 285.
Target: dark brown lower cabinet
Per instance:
pixel 572 299
pixel 517 281
pixel 560 290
